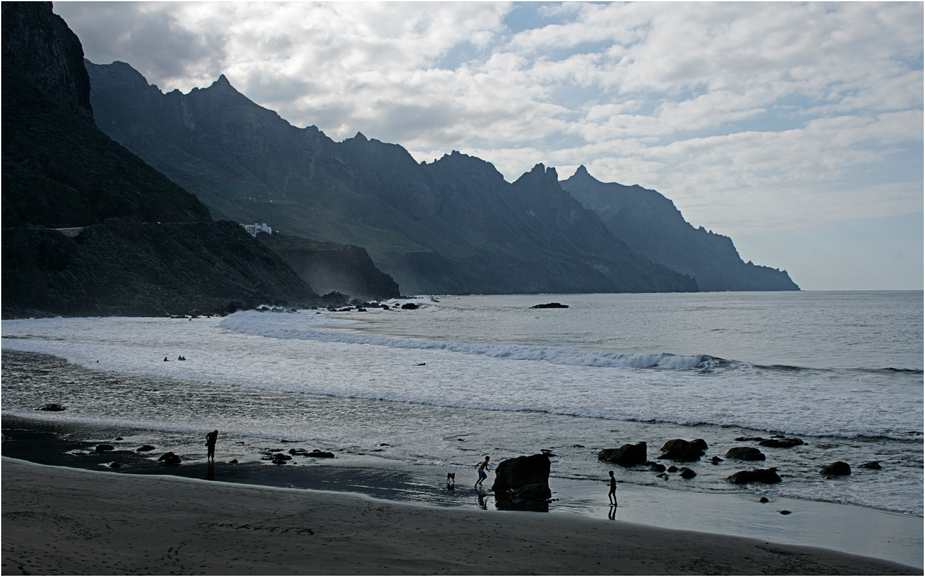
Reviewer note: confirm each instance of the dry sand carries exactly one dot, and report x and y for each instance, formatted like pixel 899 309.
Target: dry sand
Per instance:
pixel 68 521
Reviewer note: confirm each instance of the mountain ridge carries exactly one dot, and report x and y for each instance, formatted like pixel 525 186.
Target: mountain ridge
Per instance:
pixel 650 224
pixel 136 242
pixel 451 226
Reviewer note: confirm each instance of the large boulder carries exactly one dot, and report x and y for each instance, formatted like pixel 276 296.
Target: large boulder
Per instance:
pixel 769 476
pixel 522 479
pixel 745 454
pixel 681 450
pixel 627 455
pixel 837 468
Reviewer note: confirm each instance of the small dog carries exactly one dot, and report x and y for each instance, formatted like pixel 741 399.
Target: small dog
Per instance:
pixel 450 480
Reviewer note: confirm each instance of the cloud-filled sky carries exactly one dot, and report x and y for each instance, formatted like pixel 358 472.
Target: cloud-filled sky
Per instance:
pixel 794 128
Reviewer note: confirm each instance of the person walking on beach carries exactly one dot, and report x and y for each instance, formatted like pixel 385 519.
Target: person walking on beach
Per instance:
pixel 211 438
pixel 612 493
pixel 483 466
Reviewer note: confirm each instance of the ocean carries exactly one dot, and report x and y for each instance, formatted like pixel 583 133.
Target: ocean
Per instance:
pixel 461 377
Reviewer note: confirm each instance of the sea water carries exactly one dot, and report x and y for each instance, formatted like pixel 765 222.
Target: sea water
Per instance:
pixel 461 377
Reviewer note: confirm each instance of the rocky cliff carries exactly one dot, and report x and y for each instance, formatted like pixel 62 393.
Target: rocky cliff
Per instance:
pixel 650 224
pixel 452 226
pixel 136 242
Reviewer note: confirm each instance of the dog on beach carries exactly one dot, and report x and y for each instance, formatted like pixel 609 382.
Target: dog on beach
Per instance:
pixel 450 480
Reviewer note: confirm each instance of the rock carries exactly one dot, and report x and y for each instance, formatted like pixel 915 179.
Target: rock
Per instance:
pixel 699 444
pixel 783 443
pixel 716 460
pixel 764 500
pixel 115 465
pixel 409 307
pixel 768 476
pixel 281 457
pixel 145 448
pixel 627 455
pixel 169 459
pixel 657 467
pixel 871 465
pixel 550 306
pixel 745 454
pixel 662 476
pixel 52 407
pixel 687 473
pixel 837 468
pixel 320 454
pixel 103 447
pixel 672 469
pixel 681 450
pixel 233 462
pixel 749 439
pixel 521 479
pixel 784 512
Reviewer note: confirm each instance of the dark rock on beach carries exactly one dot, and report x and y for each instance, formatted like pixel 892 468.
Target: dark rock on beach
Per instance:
pixel 169 459
pixel 783 443
pixel 52 407
pixel 657 467
pixel 768 476
pixel 626 456
pixel 837 468
pixel 145 448
pixel 681 450
pixel 550 306
pixel 687 473
pixel 871 465
pixel 716 460
pixel 522 479
pixel 316 453
pixel 103 447
pixel 745 454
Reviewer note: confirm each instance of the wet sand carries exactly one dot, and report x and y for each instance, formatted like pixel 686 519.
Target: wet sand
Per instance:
pixel 59 520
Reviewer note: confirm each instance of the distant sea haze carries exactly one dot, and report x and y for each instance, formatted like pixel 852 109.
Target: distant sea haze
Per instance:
pixel 463 375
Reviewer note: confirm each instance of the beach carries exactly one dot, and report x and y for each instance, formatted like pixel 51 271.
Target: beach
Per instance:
pixel 399 400
pixel 59 520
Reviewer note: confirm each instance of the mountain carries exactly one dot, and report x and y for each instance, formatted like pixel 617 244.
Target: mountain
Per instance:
pixel 133 242
pixel 650 224
pixel 451 226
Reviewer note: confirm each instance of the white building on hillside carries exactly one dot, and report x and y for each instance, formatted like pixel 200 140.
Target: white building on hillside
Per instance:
pixel 253 229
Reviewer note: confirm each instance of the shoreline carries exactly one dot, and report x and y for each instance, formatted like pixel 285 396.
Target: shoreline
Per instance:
pixel 838 529
pixel 63 520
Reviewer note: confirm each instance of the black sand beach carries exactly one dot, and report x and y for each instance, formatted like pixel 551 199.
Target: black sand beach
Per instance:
pixel 353 484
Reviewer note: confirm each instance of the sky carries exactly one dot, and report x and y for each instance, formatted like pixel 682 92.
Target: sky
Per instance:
pixel 796 129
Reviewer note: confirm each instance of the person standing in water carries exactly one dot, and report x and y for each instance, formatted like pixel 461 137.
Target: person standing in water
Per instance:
pixel 612 493
pixel 483 466
pixel 211 438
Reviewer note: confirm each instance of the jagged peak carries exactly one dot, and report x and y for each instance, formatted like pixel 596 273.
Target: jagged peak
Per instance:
pixel 222 82
pixel 361 137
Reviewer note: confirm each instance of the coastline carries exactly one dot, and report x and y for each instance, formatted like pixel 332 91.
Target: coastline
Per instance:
pixel 62 520
pixel 661 514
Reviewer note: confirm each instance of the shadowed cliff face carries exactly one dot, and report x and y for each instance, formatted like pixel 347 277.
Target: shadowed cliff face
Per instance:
pixel 650 224
pixel 453 226
pixel 39 44
pixel 140 244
